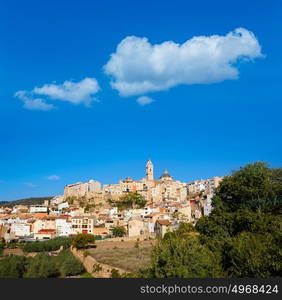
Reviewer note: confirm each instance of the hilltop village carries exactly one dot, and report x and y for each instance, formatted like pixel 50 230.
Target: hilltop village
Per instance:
pixel 89 207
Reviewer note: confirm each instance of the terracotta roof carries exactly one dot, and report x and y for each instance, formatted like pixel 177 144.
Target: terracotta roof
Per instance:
pixel 164 222
pixel 151 215
pixel 63 217
pixel 49 218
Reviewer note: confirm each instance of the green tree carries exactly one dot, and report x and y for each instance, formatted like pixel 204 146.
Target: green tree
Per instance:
pixel 68 264
pixel 82 240
pixel 253 186
pixel 253 255
pixel 129 200
pixel 177 257
pixel 118 231
pixel 41 266
pixel 71 199
pixel 49 245
pixel 2 246
pixel 12 266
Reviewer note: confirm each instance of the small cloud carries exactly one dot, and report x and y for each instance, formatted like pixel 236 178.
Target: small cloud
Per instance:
pixel 53 177
pixel 144 100
pixel 73 92
pixel 30 184
pixel 33 104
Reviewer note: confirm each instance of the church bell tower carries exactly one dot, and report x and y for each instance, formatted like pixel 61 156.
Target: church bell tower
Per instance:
pixel 149 170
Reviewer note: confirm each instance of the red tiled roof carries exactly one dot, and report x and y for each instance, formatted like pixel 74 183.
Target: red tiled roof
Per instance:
pixel 164 222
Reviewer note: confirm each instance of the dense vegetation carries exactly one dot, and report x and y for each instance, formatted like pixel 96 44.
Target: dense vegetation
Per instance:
pixel 2 246
pixel 130 200
pixel 82 240
pixel 40 266
pixel 242 237
pixel 48 245
pixel 118 231
pixel 26 201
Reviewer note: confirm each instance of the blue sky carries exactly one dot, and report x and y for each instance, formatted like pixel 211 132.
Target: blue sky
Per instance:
pixel 195 130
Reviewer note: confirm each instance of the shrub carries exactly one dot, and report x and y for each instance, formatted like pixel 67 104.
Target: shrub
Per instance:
pixel 41 266
pixel 12 266
pixel 97 268
pixel 82 240
pixel 85 253
pixel 118 231
pixel 69 265
pixel 115 273
pixel 49 245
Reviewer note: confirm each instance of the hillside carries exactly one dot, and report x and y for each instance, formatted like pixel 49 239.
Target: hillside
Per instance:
pixel 26 201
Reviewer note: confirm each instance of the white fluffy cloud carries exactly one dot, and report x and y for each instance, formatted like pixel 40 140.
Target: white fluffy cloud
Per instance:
pixel 138 67
pixel 144 100
pixel 53 177
pixel 33 103
pixel 73 92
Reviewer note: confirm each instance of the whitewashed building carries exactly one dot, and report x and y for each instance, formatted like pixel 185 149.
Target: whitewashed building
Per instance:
pixel 63 226
pixel 21 229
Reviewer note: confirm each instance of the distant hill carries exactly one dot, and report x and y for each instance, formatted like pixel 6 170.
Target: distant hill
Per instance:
pixel 26 201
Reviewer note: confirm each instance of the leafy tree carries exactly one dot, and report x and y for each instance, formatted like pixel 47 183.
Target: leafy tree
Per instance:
pixel 2 246
pixel 71 199
pixel 68 264
pixel 252 255
pixel 49 245
pixel 129 200
pixel 82 240
pixel 118 231
pixel 185 229
pixel 177 257
pixel 12 266
pixel 222 224
pixel 253 186
pixel 41 266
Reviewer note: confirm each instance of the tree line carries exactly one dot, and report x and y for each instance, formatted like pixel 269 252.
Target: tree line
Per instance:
pixel 40 266
pixel 48 245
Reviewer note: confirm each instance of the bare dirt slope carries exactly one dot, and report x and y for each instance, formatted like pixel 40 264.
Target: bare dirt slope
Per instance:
pixel 126 255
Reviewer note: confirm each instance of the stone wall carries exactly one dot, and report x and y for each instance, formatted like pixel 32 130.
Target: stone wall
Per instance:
pixel 129 239
pixel 89 262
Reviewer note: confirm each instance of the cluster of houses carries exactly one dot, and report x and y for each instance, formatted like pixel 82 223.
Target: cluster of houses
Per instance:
pixel 169 203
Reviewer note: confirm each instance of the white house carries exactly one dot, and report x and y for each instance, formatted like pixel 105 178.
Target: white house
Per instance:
pixel 57 200
pixel 45 234
pixel 21 229
pixel 63 226
pixel 38 209
pixel 63 205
